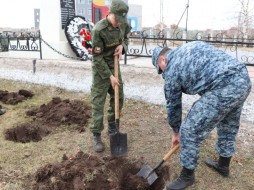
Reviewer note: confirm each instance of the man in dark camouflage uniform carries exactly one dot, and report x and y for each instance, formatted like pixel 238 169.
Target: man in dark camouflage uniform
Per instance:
pixel 223 84
pixel 109 38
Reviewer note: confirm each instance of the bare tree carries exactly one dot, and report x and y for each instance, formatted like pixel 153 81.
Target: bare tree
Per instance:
pixel 245 18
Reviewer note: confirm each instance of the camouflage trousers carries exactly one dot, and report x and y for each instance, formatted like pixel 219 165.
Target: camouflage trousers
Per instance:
pixel 100 89
pixel 218 108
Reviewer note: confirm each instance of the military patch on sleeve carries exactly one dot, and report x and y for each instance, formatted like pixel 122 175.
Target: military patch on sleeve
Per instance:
pixel 97 50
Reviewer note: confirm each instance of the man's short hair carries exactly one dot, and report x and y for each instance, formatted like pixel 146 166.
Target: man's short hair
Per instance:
pixel 157 52
pixel 164 51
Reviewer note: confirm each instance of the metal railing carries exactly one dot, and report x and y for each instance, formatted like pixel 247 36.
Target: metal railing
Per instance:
pixel 28 42
pixel 141 44
pixel 23 42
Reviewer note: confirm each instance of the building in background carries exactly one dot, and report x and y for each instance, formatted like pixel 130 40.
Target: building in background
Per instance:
pixel 100 9
pixel 135 17
pixel 95 10
pixel 84 8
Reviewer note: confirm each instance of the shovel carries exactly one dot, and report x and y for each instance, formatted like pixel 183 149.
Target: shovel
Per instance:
pixel 149 174
pixel 118 141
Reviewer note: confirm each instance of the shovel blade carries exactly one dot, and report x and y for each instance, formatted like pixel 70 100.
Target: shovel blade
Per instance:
pixel 118 144
pixel 148 173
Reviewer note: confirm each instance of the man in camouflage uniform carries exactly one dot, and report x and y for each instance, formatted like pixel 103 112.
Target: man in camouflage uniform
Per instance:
pixel 223 84
pixel 109 38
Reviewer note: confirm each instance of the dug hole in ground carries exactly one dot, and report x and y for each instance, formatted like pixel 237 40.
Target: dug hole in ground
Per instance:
pixel 46 143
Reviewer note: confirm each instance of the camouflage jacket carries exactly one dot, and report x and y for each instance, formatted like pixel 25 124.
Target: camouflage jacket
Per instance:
pixel 105 38
pixel 194 68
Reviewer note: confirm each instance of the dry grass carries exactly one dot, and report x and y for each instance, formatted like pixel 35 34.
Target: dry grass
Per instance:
pixel 148 137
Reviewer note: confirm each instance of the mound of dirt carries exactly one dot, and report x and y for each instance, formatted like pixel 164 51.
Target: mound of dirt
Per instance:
pixel 87 172
pixel 27 132
pixel 65 112
pixel 15 97
pixel 48 117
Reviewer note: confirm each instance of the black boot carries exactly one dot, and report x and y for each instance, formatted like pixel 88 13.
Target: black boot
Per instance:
pixel 112 128
pixel 97 143
pixel 221 166
pixel 186 178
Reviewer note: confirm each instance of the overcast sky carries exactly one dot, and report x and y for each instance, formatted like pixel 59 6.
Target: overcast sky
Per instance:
pixel 18 13
pixel 203 14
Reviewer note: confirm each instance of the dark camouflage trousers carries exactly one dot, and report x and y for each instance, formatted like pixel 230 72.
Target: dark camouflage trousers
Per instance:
pixel 218 108
pixel 100 89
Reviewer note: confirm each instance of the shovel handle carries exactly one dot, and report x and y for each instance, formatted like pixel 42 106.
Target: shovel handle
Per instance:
pixel 172 150
pixel 175 148
pixel 116 66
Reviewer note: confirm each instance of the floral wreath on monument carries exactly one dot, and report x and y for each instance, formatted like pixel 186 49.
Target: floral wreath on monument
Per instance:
pixel 78 34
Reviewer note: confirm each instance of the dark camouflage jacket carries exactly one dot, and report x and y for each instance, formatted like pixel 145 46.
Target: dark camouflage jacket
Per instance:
pixel 194 68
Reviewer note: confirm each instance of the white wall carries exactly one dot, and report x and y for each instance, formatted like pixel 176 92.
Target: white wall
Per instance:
pixel 51 31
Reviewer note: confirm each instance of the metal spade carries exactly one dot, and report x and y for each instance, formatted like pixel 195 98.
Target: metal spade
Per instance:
pixel 149 174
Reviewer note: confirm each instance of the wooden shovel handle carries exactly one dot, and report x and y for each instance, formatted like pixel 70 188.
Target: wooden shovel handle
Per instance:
pixel 175 148
pixel 116 66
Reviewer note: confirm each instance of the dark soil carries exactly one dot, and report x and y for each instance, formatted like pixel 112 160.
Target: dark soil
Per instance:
pixel 48 117
pixel 65 112
pixel 15 97
pixel 81 171
pixel 27 132
pixel 87 172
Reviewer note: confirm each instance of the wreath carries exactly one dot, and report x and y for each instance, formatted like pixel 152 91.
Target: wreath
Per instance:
pixel 78 34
